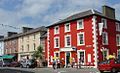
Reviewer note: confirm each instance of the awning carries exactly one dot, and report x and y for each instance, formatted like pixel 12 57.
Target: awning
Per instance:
pixel 68 49
pixel 7 56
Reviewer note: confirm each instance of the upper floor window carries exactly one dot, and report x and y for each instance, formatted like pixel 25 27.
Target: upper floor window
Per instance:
pixel 34 36
pixel 117 26
pixel 34 46
pixel 67 27
pixel 67 41
pixel 104 21
pixel 80 24
pixel 80 38
pixel 56 30
pixel 56 42
pixel 22 39
pixel 105 38
pixel 22 48
pixel 118 40
pixel 27 47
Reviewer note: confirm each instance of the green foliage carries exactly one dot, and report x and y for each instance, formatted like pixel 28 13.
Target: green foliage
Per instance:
pixel 38 53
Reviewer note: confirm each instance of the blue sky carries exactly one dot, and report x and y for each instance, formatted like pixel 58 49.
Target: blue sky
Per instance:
pixel 36 13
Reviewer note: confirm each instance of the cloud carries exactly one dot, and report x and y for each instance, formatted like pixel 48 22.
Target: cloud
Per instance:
pixel 35 13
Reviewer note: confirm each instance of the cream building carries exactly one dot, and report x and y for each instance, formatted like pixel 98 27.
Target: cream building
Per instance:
pixel 29 40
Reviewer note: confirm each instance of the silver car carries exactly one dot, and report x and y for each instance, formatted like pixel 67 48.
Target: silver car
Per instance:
pixel 27 63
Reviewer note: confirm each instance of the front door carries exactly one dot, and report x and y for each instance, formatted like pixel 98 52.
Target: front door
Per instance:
pixel 81 57
pixel 67 58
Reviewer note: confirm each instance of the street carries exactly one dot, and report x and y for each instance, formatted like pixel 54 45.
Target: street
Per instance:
pixel 46 70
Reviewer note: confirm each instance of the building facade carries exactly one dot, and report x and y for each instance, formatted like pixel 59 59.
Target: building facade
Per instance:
pixel 1 46
pixel 11 45
pixel 87 37
pixel 29 41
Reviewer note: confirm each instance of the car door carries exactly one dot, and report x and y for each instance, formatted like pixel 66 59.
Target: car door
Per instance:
pixel 118 63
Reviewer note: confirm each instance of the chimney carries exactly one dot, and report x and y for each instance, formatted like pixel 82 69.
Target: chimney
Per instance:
pixel 26 29
pixel 108 11
pixel 1 37
pixel 11 33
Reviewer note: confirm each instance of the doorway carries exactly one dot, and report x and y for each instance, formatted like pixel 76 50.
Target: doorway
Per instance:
pixel 81 57
pixel 67 61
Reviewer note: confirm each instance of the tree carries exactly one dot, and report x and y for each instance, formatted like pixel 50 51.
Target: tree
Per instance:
pixel 38 54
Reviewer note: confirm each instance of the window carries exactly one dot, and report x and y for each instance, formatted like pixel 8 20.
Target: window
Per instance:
pixel 104 22
pixel 117 26
pixel 67 41
pixel 67 27
pixel 118 54
pixel 56 42
pixel 118 40
pixel 105 38
pixel 56 30
pixel 28 47
pixel 22 39
pixel 80 38
pixel 80 24
pixel 34 46
pixel 22 48
pixel 105 54
pixel 81 56
pixel 27 37
pixel 34 36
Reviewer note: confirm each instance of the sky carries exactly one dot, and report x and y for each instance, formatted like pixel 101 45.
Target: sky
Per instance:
pixel 36 13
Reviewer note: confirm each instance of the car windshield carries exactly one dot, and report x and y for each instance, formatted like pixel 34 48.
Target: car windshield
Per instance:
pixel 105 62
pixel 31 60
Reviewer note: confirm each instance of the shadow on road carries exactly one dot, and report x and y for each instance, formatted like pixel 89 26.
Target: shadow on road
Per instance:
pixel 13 71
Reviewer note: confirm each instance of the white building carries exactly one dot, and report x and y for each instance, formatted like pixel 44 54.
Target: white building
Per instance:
pixel 1 46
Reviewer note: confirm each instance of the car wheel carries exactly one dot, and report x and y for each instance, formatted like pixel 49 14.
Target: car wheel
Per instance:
pixel 27 66
pixel 101 71
pixel 21 66
pixel 114 70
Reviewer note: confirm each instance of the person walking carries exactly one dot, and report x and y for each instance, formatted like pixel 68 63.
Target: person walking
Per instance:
pixel 54 64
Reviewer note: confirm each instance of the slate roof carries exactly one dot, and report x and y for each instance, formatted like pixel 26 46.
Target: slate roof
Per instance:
pixel 39 29
pixel 80 15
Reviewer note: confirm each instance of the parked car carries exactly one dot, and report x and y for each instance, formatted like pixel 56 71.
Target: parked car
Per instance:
pixel 5 62
pixel 14 64
pixel 28 63
pixel 112 65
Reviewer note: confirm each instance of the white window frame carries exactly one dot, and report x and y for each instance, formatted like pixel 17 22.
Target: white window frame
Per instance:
pixel 117 39
pixel 55 42
pixel 104 25
pixel 78 39
pixel 106 38
pixel 55 31
pixel 78 27
pixel 66 27
pixel 117 26
pixel 66 41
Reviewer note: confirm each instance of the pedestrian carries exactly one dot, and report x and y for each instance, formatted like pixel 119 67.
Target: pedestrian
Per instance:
pixel 54 64
pixel 58 63
pixel 79 63
pixel 73 62
pixel 62 63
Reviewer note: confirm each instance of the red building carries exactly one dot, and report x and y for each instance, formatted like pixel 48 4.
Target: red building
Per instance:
pixel 79 37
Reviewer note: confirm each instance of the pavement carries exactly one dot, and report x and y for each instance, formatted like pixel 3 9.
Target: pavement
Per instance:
pixel 47 70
